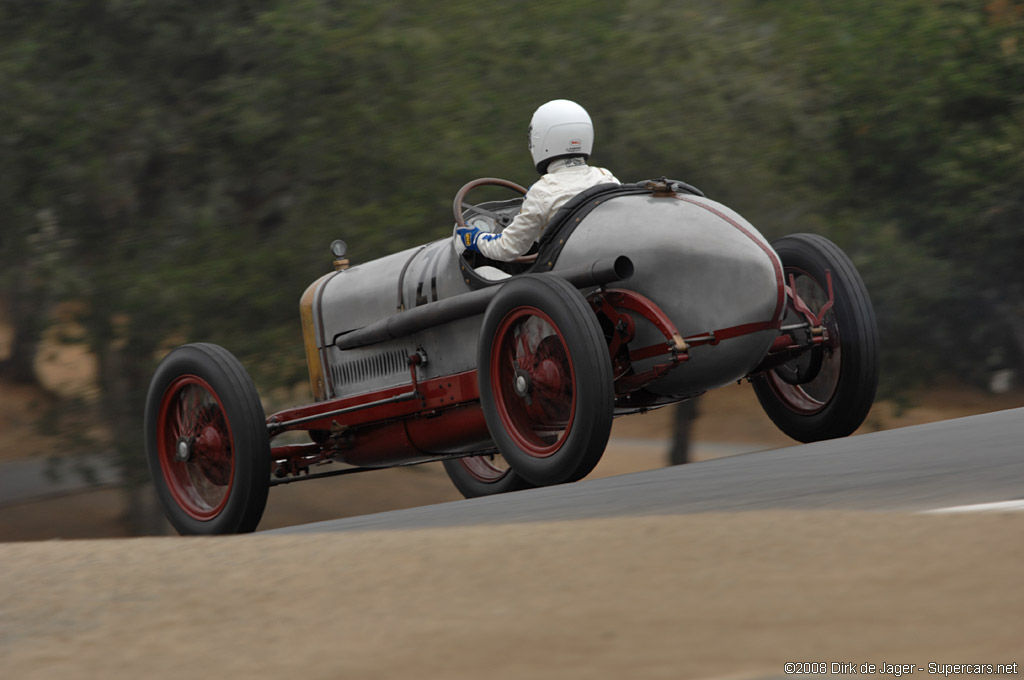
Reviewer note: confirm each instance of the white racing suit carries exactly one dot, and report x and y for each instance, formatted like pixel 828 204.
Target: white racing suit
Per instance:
pixel 565 178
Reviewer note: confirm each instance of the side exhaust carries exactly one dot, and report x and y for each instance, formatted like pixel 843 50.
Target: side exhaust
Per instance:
pixel 433 314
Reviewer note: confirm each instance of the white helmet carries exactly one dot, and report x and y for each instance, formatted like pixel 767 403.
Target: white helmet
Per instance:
pixel 560 129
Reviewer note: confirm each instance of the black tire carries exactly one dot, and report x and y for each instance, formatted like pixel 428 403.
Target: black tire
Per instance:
pixel 545 380
pixel 206 442
pixel 484 476
pixel 827 393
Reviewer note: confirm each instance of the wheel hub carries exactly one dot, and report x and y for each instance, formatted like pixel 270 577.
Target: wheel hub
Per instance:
pixel 521 383
pixel 183 449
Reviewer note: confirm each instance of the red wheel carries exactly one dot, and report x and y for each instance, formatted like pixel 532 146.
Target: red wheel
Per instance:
pixel 827 392
pixel 545 380
pixel 487 469
pixel 534 381
pixel 484 475
pixel 207 442
pixel 808 383
pixel 195 447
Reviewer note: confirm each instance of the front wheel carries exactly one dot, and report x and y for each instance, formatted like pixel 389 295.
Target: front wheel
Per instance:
pixel 545 380
pixel 206 442
pixel 827 392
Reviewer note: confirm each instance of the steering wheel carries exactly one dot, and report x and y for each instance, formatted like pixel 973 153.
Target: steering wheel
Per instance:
pixel 460 205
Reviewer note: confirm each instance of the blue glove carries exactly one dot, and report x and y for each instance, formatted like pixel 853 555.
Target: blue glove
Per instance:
pixel 469 236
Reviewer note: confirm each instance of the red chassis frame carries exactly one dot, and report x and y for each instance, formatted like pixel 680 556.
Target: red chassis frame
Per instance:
pixel 407 425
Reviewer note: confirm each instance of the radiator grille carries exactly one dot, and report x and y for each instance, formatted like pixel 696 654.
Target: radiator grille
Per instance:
pixel 370 368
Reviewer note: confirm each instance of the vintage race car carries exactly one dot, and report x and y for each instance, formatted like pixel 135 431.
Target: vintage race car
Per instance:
pixel 637 296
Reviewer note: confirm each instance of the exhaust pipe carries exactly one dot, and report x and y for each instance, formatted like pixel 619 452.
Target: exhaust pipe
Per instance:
pixel 434 314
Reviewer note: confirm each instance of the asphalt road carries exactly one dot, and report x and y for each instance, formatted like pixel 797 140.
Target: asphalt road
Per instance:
pixel 974 460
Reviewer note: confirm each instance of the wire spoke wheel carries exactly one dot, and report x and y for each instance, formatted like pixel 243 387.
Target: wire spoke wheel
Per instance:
pixel 484 475
pixel 545 380
pixel 828 391
pixel 206 442
pixel 808 383
pixel 195 447
pixel 488 468
pixel 534 381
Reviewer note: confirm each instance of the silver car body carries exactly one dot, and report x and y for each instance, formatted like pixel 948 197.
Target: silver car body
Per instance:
pixel 702 264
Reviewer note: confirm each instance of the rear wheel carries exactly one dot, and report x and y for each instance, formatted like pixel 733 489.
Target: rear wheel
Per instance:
pixel 545 380
pixel 827 392
pixel 484 475
pixel 206 442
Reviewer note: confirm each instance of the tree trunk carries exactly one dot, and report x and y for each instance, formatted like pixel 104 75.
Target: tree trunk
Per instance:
pixel 27 321
pixel 123 384
pixel 684 415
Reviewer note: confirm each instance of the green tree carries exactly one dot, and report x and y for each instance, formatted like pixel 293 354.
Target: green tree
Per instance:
pixel 923 107
pixel 178 168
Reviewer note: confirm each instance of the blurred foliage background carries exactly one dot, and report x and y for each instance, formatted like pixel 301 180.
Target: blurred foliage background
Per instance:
pixel 176 169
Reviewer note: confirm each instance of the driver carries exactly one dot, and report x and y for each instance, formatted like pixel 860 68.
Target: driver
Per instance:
pixel 561 137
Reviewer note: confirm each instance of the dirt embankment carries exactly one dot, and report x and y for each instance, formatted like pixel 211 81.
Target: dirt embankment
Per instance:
pixel 657 597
